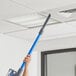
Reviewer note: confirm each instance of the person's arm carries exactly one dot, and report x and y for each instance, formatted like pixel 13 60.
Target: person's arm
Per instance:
pixel 27 60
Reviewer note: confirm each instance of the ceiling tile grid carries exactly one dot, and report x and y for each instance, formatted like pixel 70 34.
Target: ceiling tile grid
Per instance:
pixel 23 19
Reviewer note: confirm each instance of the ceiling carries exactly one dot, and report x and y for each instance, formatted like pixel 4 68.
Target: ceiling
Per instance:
pixel 24 18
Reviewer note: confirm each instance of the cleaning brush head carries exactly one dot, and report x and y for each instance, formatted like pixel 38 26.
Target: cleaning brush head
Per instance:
pixel 11 72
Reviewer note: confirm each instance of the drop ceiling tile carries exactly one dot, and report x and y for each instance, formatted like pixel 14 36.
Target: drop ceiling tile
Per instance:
pixel 25 34
pixel 10 9
pixel 8 27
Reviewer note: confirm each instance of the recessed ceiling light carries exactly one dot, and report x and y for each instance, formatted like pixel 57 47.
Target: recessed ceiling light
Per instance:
pixel 27 17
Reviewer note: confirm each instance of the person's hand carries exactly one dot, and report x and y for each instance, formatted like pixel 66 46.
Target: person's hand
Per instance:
pixel 27 59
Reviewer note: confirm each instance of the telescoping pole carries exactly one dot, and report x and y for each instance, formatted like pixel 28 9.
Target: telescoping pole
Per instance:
pixel 33 45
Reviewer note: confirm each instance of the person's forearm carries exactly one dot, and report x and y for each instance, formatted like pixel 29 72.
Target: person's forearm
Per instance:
pixel 25 73
pixel 27 60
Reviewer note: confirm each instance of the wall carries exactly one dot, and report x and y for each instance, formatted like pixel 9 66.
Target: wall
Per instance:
pixel 12 52
pixel 59 43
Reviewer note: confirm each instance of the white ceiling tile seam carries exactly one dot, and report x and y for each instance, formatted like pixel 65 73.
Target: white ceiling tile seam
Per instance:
pixel 20 30
pixel 14 23
pixel 31 27
pixel 28 28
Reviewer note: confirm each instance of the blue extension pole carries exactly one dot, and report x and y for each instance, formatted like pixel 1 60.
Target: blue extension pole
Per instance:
pixel 31 50
pixel 32 47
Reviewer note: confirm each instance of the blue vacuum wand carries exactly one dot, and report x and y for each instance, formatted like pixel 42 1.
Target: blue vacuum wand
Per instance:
pixel 14 73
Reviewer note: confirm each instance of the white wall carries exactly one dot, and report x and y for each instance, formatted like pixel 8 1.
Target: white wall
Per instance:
pixel 60 43
pixel 12 52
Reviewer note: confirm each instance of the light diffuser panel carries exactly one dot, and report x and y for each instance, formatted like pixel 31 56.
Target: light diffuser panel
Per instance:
pixel 38 22
pixel 27 17
pixel 31 20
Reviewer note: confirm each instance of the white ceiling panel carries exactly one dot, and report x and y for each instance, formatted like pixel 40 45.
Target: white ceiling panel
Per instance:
pixel 40 5
pixel 25 34
pixel 8 27
pixel 10 9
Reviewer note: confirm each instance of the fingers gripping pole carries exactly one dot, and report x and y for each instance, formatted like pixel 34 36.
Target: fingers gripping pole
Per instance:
pixel 32 47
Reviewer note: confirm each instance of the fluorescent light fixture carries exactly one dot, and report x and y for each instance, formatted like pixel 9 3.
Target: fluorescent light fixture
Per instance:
pixel 37 22
pixel 31 20
pixel 27 17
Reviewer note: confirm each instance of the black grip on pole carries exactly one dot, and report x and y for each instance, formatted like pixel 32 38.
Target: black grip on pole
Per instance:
pixel 40 32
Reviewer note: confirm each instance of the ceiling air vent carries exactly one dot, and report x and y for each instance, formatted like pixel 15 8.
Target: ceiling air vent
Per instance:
pixel 69 11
